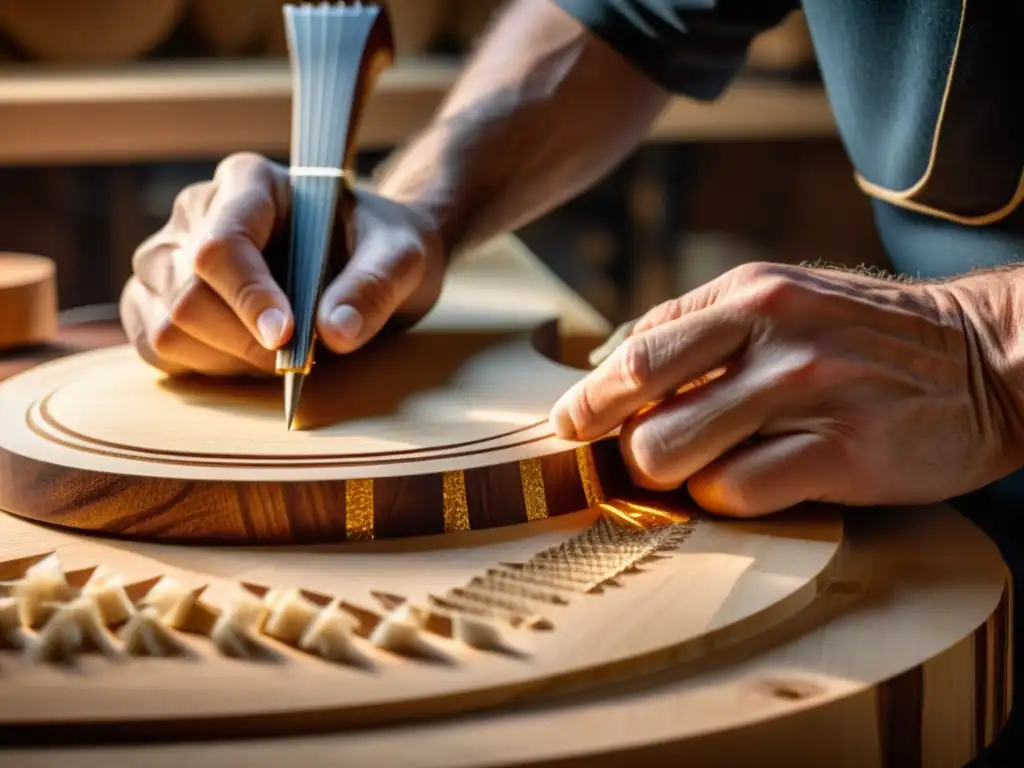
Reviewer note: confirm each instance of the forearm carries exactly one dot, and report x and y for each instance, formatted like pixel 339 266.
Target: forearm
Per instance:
pixel 542 111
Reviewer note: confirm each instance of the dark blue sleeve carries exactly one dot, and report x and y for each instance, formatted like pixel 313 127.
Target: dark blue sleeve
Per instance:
pixel 691 47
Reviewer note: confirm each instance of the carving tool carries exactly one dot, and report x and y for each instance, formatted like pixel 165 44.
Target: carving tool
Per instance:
pixel 336 53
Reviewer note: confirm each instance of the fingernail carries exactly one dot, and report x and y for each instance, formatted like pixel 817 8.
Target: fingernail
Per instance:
pixel 346 320
pixel 271 325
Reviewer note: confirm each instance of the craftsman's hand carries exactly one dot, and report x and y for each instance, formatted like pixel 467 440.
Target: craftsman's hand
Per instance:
pixel 203 298
pixel 837 387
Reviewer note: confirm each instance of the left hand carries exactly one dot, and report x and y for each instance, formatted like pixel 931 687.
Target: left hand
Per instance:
pixel 837 387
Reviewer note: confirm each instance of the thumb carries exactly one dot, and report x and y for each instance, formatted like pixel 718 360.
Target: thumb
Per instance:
pixel 250 200
pixel 368 292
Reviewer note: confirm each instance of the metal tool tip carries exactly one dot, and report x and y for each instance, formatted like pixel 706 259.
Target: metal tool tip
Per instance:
pixel 292 391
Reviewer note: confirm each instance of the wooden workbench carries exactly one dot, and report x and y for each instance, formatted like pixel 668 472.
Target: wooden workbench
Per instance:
pixel 903 659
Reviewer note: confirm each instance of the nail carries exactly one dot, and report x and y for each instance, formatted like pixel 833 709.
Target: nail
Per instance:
pixel 347 321
pixel 271 326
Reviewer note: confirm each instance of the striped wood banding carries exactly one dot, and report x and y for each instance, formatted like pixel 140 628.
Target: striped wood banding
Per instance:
pixel 169 509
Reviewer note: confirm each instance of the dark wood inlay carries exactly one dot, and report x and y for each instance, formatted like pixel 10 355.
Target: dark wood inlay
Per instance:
pixel 495 496
pixel 900 703
pixel 408 506
pixel 562 484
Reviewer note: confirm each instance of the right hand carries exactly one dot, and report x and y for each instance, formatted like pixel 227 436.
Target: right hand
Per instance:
pixel 202 298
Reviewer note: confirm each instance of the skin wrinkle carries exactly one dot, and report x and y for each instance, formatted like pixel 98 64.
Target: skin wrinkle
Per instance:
pixel 996 409
pixel 836 376
pixel 997 412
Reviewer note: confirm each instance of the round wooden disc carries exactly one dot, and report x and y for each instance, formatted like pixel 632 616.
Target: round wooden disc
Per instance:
pixel 28 300
pixel 722 582
pixel 440 429
pixel 431 432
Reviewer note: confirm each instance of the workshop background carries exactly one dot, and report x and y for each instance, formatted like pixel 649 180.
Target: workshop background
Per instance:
pixel 109 107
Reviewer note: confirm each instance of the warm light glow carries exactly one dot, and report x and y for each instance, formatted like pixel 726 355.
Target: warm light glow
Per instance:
pixel 494 416
pixel 698 382
pixel 621 516
pixel 641 516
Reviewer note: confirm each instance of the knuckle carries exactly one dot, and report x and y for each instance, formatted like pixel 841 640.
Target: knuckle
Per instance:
pixel 250 298
pixel 666 312
pixel 146 251
pixel 581 408
pixel 257 203
pixel 240 163
pixel 754 271
pixel 209 254
pixel 773 294
pixel 214 250
pixel 163 338
pixel 635 363
pixel 187 307
pixel 191 197
pixel 376 293
pixel 129 311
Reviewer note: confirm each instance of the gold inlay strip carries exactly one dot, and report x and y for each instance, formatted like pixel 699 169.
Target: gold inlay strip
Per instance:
pixel 456 508
pixel 359 509
pixel 532 477
pixel 588 476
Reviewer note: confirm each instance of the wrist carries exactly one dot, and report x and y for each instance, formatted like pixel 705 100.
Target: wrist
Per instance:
pixel 991 308
pixel 416 179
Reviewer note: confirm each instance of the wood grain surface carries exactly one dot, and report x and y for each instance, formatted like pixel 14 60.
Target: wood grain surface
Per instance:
pixel 440 429
pixel 741 580
pixel 902 661
pixel 68 340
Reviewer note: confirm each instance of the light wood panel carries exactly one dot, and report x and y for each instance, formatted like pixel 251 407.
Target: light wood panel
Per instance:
pixel 440 429
pixel 903 661
pixel 742 579
pixel 166 111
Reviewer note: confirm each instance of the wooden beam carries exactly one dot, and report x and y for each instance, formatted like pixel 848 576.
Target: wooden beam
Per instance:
pixel 150 112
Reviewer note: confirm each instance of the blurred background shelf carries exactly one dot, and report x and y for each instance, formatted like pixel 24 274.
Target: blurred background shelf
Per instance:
pixel 193 110
pixel 108 108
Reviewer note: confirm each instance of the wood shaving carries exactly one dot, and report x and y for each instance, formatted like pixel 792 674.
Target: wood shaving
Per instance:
pixel 232 632
pixel 476 633
pixel 107 589
pixel 397 635
pixel 289 614
pixel 145 634
pixel 173 602
pixel 330 634
pixel 43 587
pixel 12 630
